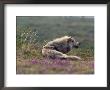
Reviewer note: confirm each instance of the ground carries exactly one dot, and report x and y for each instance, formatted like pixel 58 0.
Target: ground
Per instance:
pixel 55 67
pixel 33 32
pixel 40 65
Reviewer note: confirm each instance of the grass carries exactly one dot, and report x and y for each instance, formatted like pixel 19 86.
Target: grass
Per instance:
pixel 34 32
pixel 44 66
pixel 30 61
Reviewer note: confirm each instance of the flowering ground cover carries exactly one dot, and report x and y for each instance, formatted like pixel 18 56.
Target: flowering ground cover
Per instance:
pixel 32 32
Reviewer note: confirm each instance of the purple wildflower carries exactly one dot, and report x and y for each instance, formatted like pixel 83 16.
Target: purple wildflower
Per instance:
pixel 34 61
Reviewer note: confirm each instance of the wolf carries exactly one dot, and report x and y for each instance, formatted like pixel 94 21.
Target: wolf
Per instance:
pixel 57 48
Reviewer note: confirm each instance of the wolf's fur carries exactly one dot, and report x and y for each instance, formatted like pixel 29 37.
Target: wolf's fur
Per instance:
pixel 58 47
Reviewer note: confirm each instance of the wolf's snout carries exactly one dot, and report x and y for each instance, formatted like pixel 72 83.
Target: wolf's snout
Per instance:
pixel 77 44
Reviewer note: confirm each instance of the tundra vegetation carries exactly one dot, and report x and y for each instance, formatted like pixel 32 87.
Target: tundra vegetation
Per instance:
pixel 32 32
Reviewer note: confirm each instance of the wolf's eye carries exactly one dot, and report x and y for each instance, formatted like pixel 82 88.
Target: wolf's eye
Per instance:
pixel 72 41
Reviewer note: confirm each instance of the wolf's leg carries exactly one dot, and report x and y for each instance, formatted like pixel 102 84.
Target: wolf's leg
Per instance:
pixel 74 57
pixel 49 53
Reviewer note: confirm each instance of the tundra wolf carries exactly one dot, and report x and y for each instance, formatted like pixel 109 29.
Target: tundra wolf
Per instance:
pixel 57 48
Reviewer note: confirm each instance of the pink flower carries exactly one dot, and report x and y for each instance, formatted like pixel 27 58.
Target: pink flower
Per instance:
pixel 34 61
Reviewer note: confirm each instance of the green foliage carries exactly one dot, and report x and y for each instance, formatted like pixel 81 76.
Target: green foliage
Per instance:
pixel 82 52
pixel 33 32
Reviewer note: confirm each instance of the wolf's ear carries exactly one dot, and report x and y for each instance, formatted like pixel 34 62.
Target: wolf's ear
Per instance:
pixel 69 40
